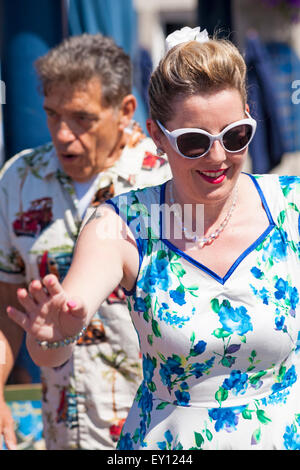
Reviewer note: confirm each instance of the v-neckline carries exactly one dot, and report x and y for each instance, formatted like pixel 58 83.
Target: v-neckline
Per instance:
pixel 241 257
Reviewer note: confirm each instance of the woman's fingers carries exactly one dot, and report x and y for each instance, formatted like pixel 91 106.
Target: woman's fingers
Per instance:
pixel 52 284
pixel 19 317
pixel 37 291
pixel 26 301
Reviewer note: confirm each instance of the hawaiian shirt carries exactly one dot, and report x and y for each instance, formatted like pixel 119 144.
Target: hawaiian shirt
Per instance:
pixel 85 401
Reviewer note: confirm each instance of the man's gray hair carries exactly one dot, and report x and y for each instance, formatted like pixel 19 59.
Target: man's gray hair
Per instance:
pixel 78 59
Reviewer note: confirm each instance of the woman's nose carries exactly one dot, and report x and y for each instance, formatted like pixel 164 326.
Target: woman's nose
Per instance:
pixel 217 152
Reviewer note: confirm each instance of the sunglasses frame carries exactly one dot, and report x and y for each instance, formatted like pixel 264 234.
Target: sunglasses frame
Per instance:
pixel 173 135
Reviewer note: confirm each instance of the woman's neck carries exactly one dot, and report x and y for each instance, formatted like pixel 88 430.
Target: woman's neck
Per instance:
pixel 213 212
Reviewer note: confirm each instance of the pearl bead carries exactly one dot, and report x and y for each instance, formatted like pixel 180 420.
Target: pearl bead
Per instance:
pixel 201 242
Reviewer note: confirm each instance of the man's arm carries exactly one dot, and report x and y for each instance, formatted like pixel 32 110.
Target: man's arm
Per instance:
pixel 11 336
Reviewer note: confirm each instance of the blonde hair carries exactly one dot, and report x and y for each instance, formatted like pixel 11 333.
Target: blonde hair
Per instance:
pixel 195 68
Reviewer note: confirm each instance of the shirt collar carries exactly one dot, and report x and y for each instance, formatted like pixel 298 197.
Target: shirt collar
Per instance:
pixel 53 163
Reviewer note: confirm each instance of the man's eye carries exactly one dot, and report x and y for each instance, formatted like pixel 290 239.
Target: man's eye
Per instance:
pixel 85 117
pixel 51 113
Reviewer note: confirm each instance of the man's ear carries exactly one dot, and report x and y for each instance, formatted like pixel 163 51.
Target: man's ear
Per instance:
pixel 127 110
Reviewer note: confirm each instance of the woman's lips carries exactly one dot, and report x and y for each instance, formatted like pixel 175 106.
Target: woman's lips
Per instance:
pixel 213 176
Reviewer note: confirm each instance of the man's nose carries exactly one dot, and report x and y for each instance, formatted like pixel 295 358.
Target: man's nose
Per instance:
pixel 64 133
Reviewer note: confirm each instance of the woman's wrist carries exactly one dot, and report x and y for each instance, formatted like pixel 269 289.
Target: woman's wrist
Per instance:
pixel 45 345
pixel 49 357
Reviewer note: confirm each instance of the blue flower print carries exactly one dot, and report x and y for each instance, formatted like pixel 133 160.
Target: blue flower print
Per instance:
pixel 199 348
pixel 182 397
pixel 156 275
pixel 263 294
pixel 288 380
pixel 275 247
pixel 237 382
pixel 298 343
pixel 294 297
pixel 291 438
pixel 172 366
pixel 287 183
pixel 146 400
pixel 226 418
pixel 169 438
pixel 285 291
pixel 148 368
pixel 235 319
pixel 140 305
pixel 257 272
pixel 178 296
pixel 198 369
pixel 281 288
pixel 125 442
pixel 169 443
pixel 279 323
pixel 170 317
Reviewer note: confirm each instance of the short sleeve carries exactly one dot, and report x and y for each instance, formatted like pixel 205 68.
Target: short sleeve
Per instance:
pixel 290 187
pixel 12 267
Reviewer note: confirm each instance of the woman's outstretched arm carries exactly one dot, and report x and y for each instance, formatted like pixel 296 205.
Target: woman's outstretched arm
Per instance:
pixel 105 256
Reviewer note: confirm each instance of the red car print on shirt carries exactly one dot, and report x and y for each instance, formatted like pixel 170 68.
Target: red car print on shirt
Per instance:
pixel 30 223
pixel 152 161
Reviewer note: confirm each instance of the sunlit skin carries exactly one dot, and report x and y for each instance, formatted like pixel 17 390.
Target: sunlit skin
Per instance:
pixel 113 262
pixel 212 113
pixel 86 134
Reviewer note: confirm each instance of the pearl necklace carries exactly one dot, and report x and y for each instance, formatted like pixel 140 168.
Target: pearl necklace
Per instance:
pixel 201 242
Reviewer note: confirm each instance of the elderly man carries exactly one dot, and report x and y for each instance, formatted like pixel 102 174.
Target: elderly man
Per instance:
pixel 96 151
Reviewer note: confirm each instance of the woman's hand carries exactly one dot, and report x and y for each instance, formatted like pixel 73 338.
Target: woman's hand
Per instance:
pixel 7 427
pixel 50 314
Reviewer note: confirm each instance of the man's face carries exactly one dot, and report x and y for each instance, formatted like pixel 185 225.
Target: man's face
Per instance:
pixel 85 133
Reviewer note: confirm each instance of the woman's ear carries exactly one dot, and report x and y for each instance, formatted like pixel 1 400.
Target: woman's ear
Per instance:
pixel 154 132
pixel 247 108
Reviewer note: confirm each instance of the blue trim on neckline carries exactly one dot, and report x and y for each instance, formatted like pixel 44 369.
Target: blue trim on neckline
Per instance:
pixel 240 258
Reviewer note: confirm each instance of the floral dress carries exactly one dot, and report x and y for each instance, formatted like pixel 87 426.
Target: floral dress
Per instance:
pixel 220 355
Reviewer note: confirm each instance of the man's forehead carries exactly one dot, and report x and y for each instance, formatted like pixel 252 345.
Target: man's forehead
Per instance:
pixel 86 93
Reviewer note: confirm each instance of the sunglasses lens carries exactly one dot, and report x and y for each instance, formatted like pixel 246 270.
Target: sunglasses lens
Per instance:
pixel 237 138
pixel 193 144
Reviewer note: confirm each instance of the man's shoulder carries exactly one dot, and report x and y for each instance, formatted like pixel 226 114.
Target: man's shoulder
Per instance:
pixel 139 164
pixel 34 158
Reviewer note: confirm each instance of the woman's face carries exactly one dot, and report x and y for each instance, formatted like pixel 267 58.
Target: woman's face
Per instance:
pixel 195 180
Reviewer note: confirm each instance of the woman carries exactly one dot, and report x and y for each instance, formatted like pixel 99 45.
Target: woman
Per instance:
pixel 216 312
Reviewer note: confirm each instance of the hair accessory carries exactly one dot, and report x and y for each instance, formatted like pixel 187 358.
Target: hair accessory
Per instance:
pixel 201 242
pixel 184 35
pixel 64 342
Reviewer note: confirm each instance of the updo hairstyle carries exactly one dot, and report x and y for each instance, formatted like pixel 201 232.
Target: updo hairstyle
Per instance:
pixel 194 68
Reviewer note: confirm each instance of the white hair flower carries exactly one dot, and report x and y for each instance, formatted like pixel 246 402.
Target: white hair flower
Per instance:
pixel 184 35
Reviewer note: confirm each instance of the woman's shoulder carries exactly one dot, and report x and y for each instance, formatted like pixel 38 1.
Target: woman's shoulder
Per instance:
pixel 287 186
pixel 131 200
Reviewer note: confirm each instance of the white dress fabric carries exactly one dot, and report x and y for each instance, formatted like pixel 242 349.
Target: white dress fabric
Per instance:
pixel 220 355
